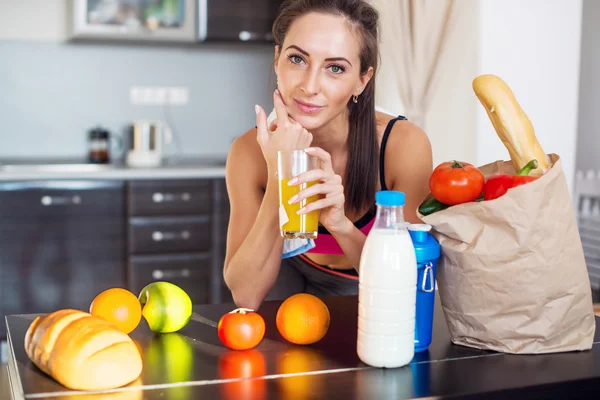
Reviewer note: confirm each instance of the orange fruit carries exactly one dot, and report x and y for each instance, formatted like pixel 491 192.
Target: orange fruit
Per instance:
pixel 303 319
pixel 119 306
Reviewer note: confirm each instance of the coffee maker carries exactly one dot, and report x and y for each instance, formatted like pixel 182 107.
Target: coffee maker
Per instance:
pixel 146 141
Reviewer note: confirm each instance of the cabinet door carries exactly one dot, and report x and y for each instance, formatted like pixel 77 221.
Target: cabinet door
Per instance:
pixel 221 222
pixel 176 197
pixel 237 20
pixel 169 235
pixel 191 272
pixel 61 243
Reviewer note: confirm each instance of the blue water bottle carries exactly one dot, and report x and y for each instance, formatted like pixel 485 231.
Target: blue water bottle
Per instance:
pixel 427 250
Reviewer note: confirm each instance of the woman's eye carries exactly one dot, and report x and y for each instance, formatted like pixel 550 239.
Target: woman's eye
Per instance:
pixel 336 69
pixel 296 59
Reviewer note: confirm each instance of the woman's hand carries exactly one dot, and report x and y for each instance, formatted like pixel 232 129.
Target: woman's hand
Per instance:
pixel 289 134
pixel 329 188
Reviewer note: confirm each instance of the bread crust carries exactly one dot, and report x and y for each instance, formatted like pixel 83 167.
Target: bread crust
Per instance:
pixel 511 123
pixel 82 351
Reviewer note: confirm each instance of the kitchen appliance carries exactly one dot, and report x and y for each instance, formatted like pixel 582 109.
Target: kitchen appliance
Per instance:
pixel 101 145
pixel 146 140
pixel 133 20
pixel 185 21
pixel 237 20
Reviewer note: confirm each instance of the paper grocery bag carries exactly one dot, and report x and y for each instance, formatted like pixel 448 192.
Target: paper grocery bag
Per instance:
pixel 512 275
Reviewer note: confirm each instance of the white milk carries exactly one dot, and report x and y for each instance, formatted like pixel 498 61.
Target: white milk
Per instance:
pixel 387 288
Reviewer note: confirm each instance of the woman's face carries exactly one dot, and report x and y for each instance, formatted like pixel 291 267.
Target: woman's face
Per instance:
pixel 318 68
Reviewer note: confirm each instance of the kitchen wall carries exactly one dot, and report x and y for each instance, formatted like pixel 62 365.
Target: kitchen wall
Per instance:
pixel 588 141
pixel 534 46
pixel 450 122
pixel 53 91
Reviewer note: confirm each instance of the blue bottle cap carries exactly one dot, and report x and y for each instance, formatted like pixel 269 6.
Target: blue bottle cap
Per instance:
pixel 426 247
pixel 390 198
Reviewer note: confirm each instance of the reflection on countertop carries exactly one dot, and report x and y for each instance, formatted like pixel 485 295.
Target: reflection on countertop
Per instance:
pixel 74 168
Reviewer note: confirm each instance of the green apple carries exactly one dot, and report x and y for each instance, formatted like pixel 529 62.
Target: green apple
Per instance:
pixel 165 306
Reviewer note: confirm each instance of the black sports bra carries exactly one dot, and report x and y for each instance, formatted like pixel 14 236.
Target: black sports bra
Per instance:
pixel 366 218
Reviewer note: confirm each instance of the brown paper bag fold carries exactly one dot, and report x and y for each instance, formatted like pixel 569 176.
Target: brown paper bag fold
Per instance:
pixel 512 276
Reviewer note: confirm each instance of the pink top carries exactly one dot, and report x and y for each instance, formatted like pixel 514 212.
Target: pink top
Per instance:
pixel 325 243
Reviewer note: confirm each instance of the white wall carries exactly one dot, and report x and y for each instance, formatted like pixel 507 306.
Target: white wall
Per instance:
pixel 534 46
pixel 588 138
pixel 450 122
pixel 33 19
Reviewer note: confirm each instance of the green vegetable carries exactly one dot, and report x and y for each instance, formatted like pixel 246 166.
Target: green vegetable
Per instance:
pixel 431 205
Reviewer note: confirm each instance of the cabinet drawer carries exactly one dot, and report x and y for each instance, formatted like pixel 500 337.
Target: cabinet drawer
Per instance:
pixel 189 272
pixel 178 197
pixel 168 235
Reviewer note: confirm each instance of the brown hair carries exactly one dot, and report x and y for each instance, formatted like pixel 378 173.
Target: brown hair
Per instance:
pixel 363 152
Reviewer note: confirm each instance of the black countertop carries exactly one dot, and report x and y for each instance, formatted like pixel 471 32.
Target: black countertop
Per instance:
pixel 194 364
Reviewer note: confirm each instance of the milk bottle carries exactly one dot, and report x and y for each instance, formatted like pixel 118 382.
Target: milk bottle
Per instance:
pixel 387 288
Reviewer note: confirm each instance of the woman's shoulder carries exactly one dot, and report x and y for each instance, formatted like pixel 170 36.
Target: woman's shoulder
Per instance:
pixel 402 130
pixel 410 146
pixel 245 155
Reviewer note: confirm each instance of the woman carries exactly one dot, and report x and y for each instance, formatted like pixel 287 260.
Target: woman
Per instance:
pixel 325 58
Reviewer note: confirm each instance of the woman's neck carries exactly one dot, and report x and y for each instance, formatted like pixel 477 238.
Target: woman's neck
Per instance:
pixel 333 137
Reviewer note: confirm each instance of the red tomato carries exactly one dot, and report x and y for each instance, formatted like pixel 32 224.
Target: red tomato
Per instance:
pixel 455 182
pixel 241 329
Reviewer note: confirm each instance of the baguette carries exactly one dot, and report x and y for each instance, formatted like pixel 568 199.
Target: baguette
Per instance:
pixel 82 351
pixel 511 123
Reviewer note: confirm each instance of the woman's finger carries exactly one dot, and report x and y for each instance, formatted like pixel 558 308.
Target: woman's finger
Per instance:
pixel 329 201
pixel 312 175
pixel 262 132
pixel 322 155
pixel 282 115
pixel 322 188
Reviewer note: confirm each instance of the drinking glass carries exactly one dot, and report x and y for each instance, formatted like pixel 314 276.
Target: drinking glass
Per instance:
pixel 292 163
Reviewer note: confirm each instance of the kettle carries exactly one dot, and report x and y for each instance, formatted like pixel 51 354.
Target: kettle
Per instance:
pixel 146 140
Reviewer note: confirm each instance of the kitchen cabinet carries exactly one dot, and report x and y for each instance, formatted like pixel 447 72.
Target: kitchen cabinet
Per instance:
pixel 237 20
pixel 61 243
pixel 221 212
pixel 175 233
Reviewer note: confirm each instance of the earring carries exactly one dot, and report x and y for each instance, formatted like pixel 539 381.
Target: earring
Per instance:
pixel 355 99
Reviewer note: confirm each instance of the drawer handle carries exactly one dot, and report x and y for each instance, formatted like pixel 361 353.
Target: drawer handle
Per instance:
pixel 160 274
pixel 159 236
pixel 163 197
pixel 49 200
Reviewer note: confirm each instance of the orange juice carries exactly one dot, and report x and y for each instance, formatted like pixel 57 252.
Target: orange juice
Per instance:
pixel 303 226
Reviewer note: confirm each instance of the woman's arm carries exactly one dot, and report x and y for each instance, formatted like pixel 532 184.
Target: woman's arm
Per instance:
pixel 254 245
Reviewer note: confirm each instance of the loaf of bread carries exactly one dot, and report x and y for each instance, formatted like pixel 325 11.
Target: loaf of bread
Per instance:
pixel 511 123
pixel 82 351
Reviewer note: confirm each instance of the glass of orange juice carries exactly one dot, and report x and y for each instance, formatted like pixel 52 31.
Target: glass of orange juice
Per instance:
pixel 292 163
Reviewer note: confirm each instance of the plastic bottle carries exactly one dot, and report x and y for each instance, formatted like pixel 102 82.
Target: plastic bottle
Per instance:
pixel 387 288
pixel 427 250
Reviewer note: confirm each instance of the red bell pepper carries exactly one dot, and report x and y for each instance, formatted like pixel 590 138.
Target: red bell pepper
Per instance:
pixel 497 185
